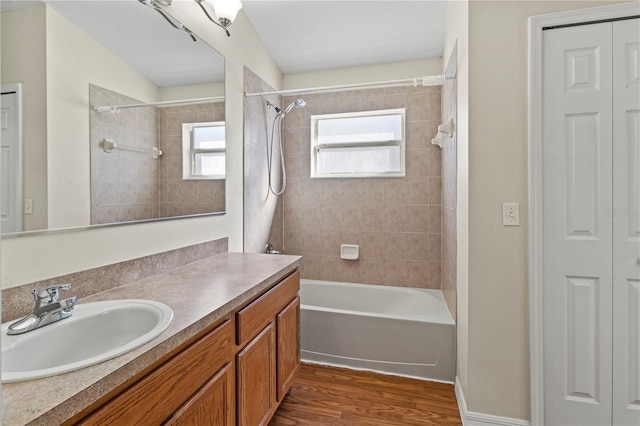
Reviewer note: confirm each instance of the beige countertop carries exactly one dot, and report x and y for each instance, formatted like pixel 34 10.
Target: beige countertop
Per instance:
pixel 199 293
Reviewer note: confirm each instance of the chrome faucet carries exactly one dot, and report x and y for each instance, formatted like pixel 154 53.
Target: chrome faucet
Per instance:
pixel 48 309
pixel 270 250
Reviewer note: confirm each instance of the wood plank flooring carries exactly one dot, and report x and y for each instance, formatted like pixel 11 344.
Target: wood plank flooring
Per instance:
pixel 328 396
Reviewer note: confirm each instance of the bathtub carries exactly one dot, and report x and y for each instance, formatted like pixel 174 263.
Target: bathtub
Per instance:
pixel 392 330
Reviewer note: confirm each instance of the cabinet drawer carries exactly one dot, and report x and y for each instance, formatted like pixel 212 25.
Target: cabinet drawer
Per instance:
pixel 252 319
pixel 159 394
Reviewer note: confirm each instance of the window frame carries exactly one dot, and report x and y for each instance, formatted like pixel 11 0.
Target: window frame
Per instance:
pixel 189 152
pixel 316 147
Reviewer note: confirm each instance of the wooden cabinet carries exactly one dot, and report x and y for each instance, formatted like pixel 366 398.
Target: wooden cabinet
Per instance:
pixel 236 373
pixel 267 332
pixel 253 318
pixel 212 405
pixel 153 399
pixel 257 379
pixel 288 343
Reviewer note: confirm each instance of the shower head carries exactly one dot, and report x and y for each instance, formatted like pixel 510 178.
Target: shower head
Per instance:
pixel 298 103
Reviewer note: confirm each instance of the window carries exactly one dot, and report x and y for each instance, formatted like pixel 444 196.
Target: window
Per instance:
pixel 203 151
pixel 360 144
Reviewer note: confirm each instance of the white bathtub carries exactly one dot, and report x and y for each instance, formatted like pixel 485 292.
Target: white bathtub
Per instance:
pixel 394 330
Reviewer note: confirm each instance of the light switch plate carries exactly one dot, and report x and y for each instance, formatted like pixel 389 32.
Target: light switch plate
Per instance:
pixel 511 214
pixel 28 206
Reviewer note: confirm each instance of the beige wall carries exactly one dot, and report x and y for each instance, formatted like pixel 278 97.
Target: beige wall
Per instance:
pixel 259 202
pixel 371 73
pixel 190 91
pixel 57 254
pixel 493 347
pixel 73 61
pixel 24 61
pixel 457 34
pixel 449 186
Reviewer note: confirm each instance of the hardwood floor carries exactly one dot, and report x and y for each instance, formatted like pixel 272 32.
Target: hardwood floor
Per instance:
pixel 328 396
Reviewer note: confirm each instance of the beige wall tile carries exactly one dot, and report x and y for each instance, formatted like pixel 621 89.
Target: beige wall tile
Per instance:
pixel 419 218
pixel 389 218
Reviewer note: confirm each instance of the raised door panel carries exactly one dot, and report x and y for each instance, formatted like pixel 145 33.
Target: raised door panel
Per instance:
pixel 577 182
pixel 256 379
pixel 212 405
pixel 287 328
pixel 626 222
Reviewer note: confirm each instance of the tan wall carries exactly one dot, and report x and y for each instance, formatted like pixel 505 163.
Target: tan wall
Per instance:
pixel 24 61
pixel 190 91
pixel 449 194
pixel 457 33
pixel 262 209
pixel 497 349
pixel 74 60
pixel 370 73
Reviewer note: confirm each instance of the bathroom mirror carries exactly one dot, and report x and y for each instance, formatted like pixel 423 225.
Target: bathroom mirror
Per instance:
pixel 62 60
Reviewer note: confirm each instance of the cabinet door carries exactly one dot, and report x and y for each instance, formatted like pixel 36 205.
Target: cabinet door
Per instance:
pixel 212 405
pixel 256 365
pixel 287 324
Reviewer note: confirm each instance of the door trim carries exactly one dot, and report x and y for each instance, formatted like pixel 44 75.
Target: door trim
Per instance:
pixel 17 88
pixel 536 24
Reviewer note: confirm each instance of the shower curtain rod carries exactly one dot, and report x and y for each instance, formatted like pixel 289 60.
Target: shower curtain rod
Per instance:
pixel 115 108
pixel 427 80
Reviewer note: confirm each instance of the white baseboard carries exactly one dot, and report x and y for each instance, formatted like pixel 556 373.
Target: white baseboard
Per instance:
pixel 480 419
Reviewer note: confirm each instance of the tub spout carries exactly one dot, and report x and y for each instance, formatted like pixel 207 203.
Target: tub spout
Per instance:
pixel 270 250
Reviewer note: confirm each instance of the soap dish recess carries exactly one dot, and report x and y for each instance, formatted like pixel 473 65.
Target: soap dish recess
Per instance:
pixel 349 251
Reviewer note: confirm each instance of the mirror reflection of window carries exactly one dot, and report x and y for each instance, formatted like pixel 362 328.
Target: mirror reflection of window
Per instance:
pixel 203 150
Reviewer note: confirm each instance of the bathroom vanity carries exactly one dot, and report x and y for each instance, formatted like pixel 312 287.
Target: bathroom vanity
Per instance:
pixel 228 357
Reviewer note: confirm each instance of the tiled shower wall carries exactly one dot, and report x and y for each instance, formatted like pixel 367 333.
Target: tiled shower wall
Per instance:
pixel 449 195
pixel 181 197
pixel 124 184
pixel 259 203
pixel 396 221
pixel 129 185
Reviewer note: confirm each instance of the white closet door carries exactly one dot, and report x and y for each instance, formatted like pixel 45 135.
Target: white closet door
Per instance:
pixel 626 223
pixel 577 185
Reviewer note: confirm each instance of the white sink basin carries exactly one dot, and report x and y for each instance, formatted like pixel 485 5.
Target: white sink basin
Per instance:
pixel 95 332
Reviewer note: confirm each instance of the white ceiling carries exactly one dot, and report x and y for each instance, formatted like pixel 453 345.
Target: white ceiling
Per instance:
pixel 313 35
pixel 300 35
pixel 142 38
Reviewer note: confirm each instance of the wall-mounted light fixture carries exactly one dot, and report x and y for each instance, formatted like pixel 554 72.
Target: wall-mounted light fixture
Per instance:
pixel 154 4
pixel 225 11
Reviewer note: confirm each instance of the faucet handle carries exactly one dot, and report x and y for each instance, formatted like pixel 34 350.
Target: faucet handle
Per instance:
pixel 49 294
